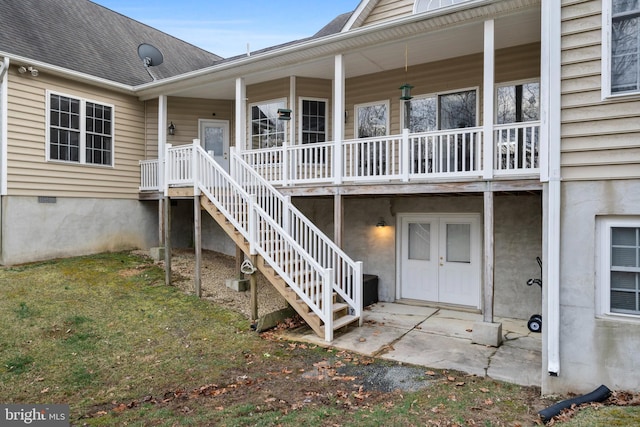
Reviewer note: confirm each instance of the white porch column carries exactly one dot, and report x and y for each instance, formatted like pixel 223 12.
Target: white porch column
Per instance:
pixel 286 171
pixel 487 98
pixel 338 116
pixel 241 115
pixel 162 137
pixel 550 69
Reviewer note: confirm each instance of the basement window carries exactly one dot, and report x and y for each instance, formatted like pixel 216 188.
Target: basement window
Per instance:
pixel 620 266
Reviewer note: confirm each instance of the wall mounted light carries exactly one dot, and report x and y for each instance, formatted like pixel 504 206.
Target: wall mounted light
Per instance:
pixel 23 69
pixel 405 92
pixel 172 129
pixel 381 223
pixel 284 114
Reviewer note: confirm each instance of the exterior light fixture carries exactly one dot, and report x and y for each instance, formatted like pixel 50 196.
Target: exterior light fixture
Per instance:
pixel 172 129
pixel 284 114
pixel 381 223
pixel 23 69
pixel 405 92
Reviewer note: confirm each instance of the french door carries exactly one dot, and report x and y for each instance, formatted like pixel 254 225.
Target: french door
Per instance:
pixel 439 257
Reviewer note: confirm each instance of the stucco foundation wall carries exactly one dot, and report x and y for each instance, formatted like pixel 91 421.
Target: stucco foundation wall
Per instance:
pixel 594 349
pixel 518 231
pixel 518 241
pixel 33 231
pixel 213 237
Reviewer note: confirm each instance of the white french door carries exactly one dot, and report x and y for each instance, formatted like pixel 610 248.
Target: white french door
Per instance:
pixel 439 258
pixel 214 138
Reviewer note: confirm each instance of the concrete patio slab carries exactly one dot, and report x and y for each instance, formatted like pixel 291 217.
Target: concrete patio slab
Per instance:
pixel 441 352
pixel 438 339
pixel 516 365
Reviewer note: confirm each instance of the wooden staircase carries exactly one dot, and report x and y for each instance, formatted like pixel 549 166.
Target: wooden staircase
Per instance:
pixel 341 313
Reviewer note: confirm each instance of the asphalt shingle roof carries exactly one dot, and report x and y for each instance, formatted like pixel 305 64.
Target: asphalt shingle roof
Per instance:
pixel 85 37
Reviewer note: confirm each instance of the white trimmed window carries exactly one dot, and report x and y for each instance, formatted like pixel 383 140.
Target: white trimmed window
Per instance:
pixel 429 5
pixel 620 266
pixel 266 129
pixel 313 120
pixel 372 119
pixel 517 102
pixel 621 47
pixel 80 131
pixel 451 110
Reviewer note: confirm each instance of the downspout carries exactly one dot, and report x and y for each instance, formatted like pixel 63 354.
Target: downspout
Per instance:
pixel 4 68
pixel 550 79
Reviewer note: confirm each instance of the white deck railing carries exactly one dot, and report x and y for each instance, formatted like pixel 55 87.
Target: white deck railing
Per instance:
pixel 517 148
pixel 149 175
pixel 456 153
pixel 447 154
pixel 311 264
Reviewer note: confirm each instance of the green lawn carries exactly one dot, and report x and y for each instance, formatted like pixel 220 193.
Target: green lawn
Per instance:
pixel 106 336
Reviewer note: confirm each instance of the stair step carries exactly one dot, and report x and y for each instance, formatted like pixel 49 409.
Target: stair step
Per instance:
pixel 344 321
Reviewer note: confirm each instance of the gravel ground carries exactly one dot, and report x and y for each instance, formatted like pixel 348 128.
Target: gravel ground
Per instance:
pixel 216 269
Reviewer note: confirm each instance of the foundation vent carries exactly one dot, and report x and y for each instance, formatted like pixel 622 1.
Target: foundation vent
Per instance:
pixel 47 199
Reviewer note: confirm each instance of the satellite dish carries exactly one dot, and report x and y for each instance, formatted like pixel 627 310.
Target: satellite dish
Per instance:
pixel 150 55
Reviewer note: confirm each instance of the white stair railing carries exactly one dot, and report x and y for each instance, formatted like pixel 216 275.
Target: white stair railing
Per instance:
pixel 266 219
pixel 348 273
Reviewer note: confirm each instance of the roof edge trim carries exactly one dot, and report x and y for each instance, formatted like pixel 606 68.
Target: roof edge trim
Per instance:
pixel 61 71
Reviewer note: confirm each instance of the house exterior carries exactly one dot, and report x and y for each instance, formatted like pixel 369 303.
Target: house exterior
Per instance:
pixel 441 146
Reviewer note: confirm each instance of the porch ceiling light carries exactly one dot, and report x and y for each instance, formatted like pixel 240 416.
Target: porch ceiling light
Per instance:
pixel 172 129
pixel 405 92
pixel 284 114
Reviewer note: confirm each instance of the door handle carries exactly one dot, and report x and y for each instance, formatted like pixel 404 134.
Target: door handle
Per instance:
pixel 226 156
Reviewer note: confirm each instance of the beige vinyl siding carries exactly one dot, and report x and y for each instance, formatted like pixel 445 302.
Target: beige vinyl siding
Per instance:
pixel 267 91
pixel 185 113
pixel 600 139
pixel 512 64
pixel 151 129
pixel 28 171
pixel 386 10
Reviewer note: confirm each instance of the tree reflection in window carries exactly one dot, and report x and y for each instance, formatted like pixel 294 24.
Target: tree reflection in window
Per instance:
pixel 372 120
pixel 518 103
pixel 625 45
pixel 266 130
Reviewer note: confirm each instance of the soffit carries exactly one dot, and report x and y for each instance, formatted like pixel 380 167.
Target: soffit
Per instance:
pixel 366 50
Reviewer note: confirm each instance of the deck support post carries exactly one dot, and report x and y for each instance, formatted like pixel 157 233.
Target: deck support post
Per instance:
pixel 239 260
pixel 338 215
pixel 167 240
pixel 197 237
pixel 489 256
pixel 253 286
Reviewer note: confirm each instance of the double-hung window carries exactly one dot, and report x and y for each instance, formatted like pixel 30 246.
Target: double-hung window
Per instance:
pixel 620 266
pixel 80 131
pixel 314 121
pixel 266 129
pixel 621 55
